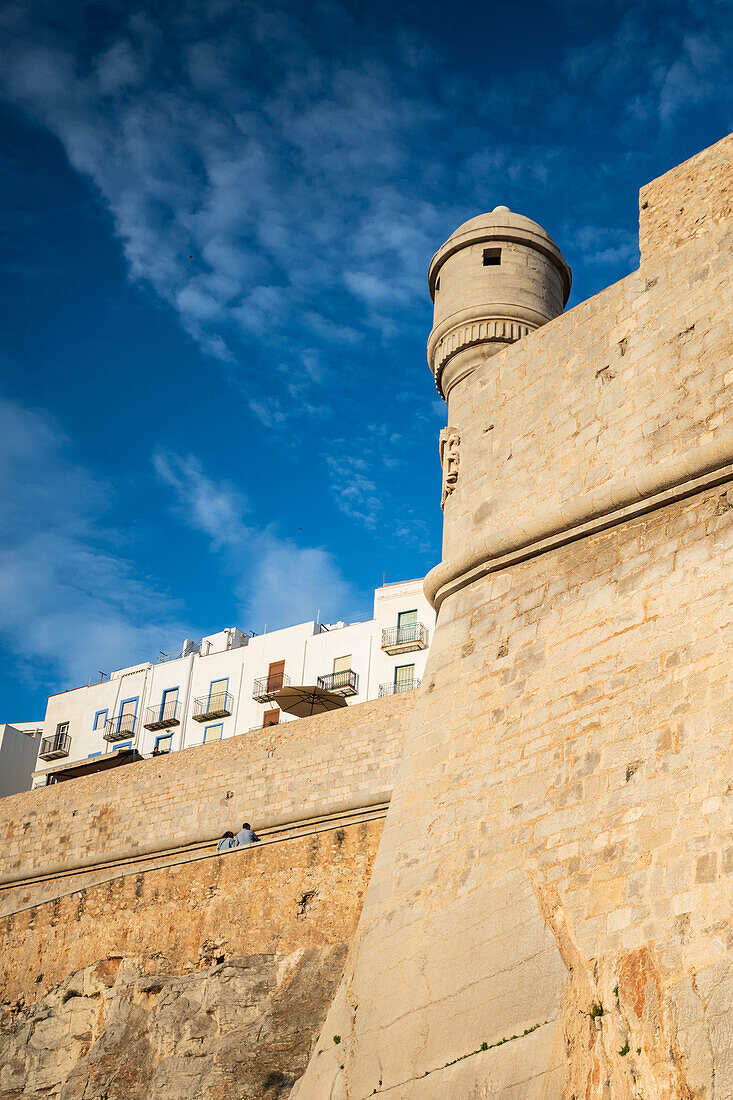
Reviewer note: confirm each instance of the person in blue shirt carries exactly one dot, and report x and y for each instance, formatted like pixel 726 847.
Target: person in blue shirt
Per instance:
pixel 226 842
pixel 246 835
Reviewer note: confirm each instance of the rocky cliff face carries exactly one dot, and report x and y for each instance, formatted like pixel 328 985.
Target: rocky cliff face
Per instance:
pixel 240 1030
pixel 206 980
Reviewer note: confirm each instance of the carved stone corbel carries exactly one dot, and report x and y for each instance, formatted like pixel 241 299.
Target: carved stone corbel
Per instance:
pixel 450 460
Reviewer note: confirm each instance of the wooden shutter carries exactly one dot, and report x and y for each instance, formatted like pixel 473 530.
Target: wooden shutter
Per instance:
pixel 404 674
pixel 275 675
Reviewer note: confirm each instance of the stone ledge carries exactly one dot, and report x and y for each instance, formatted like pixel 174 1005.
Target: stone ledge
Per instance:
pixel 681 477
pixel 281 828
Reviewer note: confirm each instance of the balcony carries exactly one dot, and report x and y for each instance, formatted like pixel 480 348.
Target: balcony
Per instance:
pixel 119 728
pixel 345 682
pixel 218 705
pixel 404 639
pixel 267 686
pixel 162 716
pixel 392 688
pixel 54 747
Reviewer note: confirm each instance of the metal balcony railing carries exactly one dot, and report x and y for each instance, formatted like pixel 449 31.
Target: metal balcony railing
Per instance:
pixel 403 639
pixel 162 716
pixel 392 688
pixel 345 682
pixel 266 686
pixel 218 705
pixel 56 746
pixel 119 728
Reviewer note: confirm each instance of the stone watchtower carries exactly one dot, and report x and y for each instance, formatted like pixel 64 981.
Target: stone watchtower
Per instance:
pixel 498 277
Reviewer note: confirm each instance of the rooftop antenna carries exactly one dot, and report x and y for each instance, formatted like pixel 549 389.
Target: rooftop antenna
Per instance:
pixel 384 579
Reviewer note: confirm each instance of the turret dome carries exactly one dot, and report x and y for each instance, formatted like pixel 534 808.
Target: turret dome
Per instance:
pixel 498 277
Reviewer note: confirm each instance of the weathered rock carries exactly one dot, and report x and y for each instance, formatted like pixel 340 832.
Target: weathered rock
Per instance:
pixel 242 1030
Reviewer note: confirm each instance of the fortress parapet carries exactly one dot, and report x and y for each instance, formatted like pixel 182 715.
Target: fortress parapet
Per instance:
pixel 498 277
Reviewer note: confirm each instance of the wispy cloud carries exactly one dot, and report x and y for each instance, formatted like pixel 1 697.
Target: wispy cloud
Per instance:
pixel 255 181
pixel 661 61
pixel 71 602
pixel 353 489
pixel 356 470
pixel 284 196
pixel 275 580
pixel 603 245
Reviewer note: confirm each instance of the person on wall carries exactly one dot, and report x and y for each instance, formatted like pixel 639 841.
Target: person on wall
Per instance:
pixel 246 835
pixel 226 842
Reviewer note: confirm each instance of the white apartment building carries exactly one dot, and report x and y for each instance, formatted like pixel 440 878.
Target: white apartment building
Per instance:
pixel 19 744
pixel 224 685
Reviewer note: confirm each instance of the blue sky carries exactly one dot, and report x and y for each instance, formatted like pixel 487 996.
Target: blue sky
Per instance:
pixel 217 220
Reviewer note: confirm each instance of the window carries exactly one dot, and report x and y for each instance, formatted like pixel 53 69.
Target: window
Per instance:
pixel 342 664
pixel 163 743
pixel 271 718
pixel 168 704
pixel 123 747
pixel 275 675
pixel 100 719
pixel 125 720
pixel 492 257
pixel 93 754
pixel 214 733
pixel 406 627
pixel 217 693
pixel 404 676
pixel 62 728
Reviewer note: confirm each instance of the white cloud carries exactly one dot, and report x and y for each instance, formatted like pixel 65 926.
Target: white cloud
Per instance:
pixel 660 61
pixel 214 509
pixel 353 490
pixel 601 245
pixel 256 183
pixel 70 602
pixel 384 504
pixel 694 77
pixel 276 581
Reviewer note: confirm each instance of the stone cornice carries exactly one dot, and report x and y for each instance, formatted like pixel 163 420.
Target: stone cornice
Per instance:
pixel 502 330
pixel 605 507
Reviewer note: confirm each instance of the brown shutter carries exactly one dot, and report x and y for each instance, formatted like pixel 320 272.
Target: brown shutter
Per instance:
pixel 275 675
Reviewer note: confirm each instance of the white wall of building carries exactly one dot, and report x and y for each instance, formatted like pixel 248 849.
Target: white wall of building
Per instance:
pixel 308 650
pixel 19 744
pixel 389 601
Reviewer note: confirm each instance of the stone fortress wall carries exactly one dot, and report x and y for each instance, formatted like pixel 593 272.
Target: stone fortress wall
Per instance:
pixel 324 769
pixel 550 913
pixel 136 962
pixel 560 831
